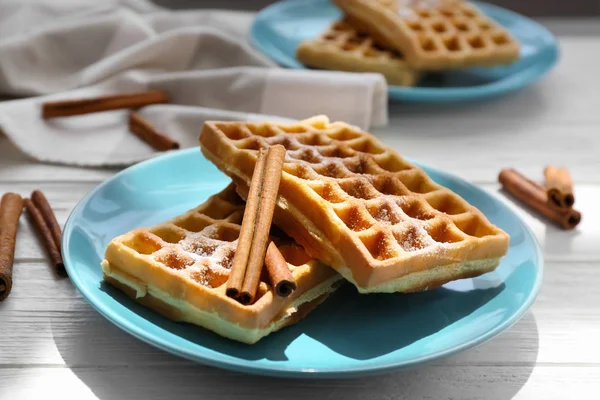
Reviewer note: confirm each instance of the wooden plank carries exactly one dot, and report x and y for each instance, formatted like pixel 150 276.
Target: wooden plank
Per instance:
pixel 61 195
pixel 437 144
pixel 433 382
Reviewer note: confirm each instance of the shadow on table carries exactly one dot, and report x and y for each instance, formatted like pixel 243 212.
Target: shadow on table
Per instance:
pixel 115 365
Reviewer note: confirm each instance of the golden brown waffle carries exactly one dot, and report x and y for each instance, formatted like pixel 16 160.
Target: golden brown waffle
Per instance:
pixel 358 206
pixel 342 48
pixel 434 34
pixel 180 269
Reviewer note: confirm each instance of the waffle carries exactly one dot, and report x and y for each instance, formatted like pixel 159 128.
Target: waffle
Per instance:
pixel 434 34
pixel 342 48
pixel 358 206
pixel 180 268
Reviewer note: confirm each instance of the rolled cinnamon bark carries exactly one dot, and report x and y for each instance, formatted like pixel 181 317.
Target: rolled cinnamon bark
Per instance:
pixel 67 108
pixel 11 206
pixel 264 216
pixel 242 252
pixel 279 273
pixel 534 195
pixel 42 204
pixel 559 187
pixel 39 220
pixel 145 131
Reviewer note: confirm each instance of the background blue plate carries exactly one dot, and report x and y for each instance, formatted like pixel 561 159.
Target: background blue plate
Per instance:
pixel 279 29
pixel 349 334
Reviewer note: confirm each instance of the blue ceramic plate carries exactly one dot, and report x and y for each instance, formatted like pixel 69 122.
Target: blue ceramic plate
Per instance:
pixel 349 334
pixel 279 29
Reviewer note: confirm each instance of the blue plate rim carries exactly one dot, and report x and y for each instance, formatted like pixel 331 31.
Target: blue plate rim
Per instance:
pixel 247 366
pixel 523 78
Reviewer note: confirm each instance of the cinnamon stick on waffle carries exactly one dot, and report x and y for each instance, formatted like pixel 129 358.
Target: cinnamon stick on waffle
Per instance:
pixel 240 259
pixel 264 218
pixel 145 131
pixel 11 206
pixel 534 195
pixel 256 225
pixel 559 186
pixel 66 108
pixel 39 216
pixel 40 201
pixel 279 273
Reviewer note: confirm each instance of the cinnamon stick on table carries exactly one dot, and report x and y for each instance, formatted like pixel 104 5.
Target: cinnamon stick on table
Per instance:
pixel 559 186
pixel 42 204
pixel 534 195
pixel 240 259
pixel 279 272
pixel 11 206
pixel 66 108
pixel 145 131
pixel 39 219
pixel 266 207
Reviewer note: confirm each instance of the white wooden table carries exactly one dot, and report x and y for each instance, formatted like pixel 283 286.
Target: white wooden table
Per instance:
pixel 54 345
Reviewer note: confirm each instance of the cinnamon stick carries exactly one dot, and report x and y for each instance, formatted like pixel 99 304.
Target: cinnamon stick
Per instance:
pixel 11 206
pixel 66 108
pixel 240 259
pixel 145 131
pixel 279 272
pixel 534 195
pixel 40 201
pixel 559 186
pixel 39 220
pixel 266 207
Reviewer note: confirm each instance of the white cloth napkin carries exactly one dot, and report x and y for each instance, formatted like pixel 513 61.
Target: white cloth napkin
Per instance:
pixel 202 59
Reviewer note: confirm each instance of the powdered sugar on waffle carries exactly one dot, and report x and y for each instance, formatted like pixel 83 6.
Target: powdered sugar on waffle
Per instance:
pixel 199 246
pixel 418 3
pixel 406 7
pixel 211 231
pixel 416 238
pixel 383 215
pixel 407 13
pixel 199 272
pixel 388 212
pixel 210 253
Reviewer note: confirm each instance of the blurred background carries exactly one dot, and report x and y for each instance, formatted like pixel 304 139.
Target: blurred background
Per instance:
pixel 536 8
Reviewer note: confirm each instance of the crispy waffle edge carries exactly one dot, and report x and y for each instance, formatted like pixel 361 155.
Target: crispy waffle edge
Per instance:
pixel 179 311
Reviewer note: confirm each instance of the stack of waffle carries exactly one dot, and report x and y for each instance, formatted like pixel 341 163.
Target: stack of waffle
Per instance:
pixel 404 39
pixel 349 209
